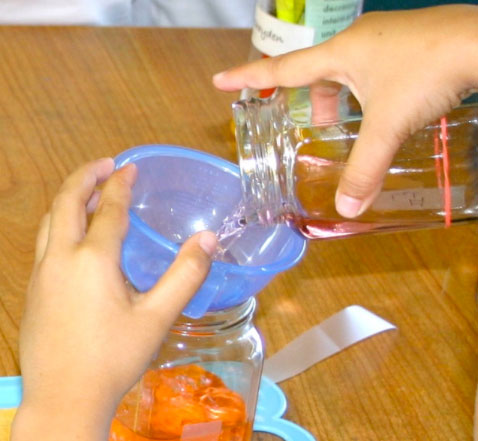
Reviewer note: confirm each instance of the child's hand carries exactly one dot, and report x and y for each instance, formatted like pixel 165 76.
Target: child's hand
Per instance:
pixel 85 337
pixel 406 68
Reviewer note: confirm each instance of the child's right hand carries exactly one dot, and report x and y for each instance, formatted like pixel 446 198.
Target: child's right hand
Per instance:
pixel 406 68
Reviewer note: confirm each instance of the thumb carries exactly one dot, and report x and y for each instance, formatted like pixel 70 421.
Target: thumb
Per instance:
pixel 371 156
pixel 183 278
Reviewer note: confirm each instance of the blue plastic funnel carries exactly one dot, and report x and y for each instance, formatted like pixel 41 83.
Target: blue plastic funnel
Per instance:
pixel 181 191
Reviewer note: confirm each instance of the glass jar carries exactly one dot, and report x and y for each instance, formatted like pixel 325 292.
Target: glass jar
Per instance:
pixel 290 168
pixel 203 385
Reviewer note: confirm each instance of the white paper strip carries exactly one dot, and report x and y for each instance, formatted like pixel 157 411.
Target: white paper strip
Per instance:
pixel 210 431
pixel 272 36
pixel 333 335
pixel 419 199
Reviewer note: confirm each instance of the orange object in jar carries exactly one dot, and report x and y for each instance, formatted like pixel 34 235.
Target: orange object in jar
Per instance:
pixel 172 399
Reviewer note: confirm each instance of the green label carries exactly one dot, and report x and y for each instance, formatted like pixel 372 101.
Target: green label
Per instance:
pixel 328 17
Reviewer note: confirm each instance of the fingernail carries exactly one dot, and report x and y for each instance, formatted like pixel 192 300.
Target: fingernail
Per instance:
pixel 130 166
pixel 217 77
pixel 105 159
pixel 348 206
pixel 208 242
pixel 105 165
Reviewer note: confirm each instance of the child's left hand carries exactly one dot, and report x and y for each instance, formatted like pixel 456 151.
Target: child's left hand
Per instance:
pixel 86 338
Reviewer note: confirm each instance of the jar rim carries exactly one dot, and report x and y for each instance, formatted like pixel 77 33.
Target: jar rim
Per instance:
pixel 216 321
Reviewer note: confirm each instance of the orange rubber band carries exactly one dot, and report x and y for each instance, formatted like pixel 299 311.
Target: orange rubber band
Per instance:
pixel 446 171
pixel 442 163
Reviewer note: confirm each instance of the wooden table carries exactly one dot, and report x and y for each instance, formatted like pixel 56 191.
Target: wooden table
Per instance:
pixel 68 95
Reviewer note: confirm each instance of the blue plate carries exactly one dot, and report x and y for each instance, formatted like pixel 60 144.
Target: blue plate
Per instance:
pixel 271 405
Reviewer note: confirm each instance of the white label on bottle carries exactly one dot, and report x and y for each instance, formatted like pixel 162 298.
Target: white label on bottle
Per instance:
pixel 329 17
pixel 272 36
pixel 419 199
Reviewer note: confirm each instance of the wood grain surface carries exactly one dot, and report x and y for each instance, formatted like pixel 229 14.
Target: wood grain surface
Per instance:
pixel 68 95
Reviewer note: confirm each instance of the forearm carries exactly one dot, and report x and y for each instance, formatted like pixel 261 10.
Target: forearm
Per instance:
pixel 471 43
pixel 461 53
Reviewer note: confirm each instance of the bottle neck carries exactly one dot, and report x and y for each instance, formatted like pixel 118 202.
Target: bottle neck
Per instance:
pixel 216 322
pixel 266 157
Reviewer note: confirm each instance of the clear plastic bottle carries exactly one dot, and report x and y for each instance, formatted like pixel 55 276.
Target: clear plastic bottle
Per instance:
pixel 291 167
pixel 203 385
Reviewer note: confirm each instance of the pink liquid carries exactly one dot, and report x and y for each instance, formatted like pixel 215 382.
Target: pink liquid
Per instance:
pixel 409 199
